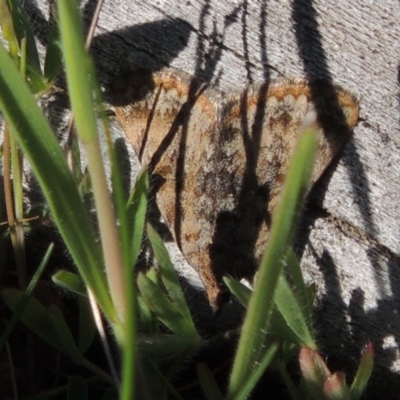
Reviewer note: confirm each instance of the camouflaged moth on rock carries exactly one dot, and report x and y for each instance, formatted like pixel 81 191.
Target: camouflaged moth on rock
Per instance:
pixel 222 160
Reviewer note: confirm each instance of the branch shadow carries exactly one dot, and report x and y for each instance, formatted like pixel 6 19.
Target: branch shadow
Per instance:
pixel 362 324
pixel 231 252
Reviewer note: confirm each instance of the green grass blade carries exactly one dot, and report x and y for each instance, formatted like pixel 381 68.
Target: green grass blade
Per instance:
pixel 27 294
pixel 84 97
pixel 40 146
pixel 241 291
pixel 87 327
pixel 136 215
pixel 168 273
pixel 302 292
pixel 363 373
pixel 23 30
pixel 53 59
pixel 70 281
pixel 79 70
pixel 7 27
pixel 292 312
pixel 132 216
pixel 257 373
pixel 169 314
pixel 64 334
pixel 162 345
pixel 278 327
pixel 283 223
pixel 207 382
pixel 35 316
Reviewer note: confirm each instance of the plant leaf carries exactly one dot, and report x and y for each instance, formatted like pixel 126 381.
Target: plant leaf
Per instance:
pixel 70 281
pixel 282 228
pixel 292 312
pixel 363 373
pixel 40 146
pixel 207 383
pixel 19 309
pixel 136 213
pixel 53 59
pixel 165 311
pixel 35 316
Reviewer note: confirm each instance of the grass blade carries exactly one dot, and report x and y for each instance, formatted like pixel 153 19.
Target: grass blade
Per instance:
pixel 363 373
pixel 27 294
pixel 84 96
pixel 261 302
pixel 257 373
pixel 23 30
pixel 168 273
pixel 40 146
pixel 136 215
pixel 292 312
pixel 207 382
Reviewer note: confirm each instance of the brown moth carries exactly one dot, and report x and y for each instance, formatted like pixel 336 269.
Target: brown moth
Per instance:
pixel 222 159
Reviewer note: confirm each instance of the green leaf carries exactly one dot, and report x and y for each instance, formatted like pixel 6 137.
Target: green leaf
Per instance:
pixel 64 334
pixel 80 71
pixel 23 30
pixel 363 373
pixel 148 323
pixel 301 291
pixel 40 146
pixel 85 96
pixel 292 312
pixel 7 26
pixel 165 311
pixel 256 374
pixel 53 59
pixel 160 345
pixel 207 383
pixel 168 274
pixel 19 309
pixel 70 281
pixel 36 317
pixel 136 212
pixel 87 327
pixel 242 292
pixel 17 30
pixel 278 327
pixel 35 80
pixel 282 228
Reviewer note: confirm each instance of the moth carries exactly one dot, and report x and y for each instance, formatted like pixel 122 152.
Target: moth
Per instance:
pixel 221 159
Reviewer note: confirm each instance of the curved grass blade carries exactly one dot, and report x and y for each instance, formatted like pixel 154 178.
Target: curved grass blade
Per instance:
pixel 40 146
